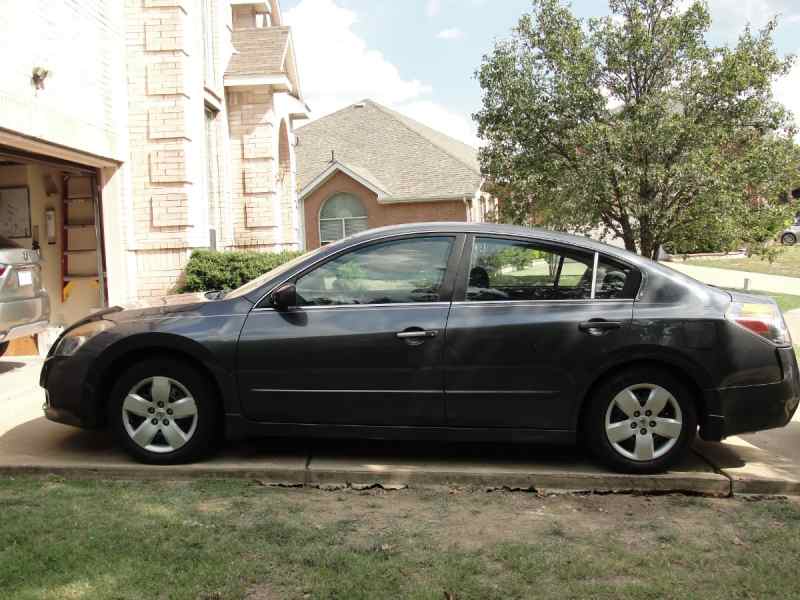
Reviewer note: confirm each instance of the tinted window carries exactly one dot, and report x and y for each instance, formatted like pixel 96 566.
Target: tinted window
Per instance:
pixel 615 281
pixel 517 270
pixel 391 272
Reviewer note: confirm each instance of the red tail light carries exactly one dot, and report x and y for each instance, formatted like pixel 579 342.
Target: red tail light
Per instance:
pixel 3 270
pixel 765 320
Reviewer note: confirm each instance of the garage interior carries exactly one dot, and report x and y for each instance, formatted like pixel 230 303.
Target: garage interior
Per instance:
pixel 63 221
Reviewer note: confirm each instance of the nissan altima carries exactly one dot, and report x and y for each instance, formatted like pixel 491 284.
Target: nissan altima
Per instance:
pixel 445 331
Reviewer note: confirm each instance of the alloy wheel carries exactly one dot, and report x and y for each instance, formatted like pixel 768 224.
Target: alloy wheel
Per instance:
pixel 643 422
pixel 159 414
pixel 789 239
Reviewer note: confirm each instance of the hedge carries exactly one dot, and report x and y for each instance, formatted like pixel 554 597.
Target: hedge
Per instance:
pixel 211 270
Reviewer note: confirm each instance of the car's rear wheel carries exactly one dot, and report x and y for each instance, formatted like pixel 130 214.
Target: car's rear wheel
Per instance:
pixel 163 412
pixel 788 239
pixel 641 421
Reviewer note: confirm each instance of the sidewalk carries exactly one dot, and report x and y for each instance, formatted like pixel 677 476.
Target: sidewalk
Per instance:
pixel 729 278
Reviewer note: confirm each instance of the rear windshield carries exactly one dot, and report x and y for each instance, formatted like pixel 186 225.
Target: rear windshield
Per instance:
pixel 6 244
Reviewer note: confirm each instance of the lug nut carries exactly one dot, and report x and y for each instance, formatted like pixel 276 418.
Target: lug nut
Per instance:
pixel 648 413
pixel 154 421
pixel 652 423
pixel 643 431
pixel 637 414
pixel 151 410
pixel 160 405
pixel 169 411
pixel 166 421
pixel 633 425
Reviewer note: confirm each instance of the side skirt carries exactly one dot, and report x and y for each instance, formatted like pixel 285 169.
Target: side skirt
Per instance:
pixel 238 428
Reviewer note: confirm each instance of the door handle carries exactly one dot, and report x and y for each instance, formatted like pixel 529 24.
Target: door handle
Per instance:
pixel 599 326
pixel 406 335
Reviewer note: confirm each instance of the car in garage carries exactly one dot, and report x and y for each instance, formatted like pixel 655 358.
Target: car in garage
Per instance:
pixel 24 303
pixel 446 331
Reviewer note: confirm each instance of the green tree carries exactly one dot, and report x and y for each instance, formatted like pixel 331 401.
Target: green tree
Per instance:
pixel 635 123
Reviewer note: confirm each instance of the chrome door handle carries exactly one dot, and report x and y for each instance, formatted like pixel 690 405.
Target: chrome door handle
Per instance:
pixel 599 327
pixel 405 335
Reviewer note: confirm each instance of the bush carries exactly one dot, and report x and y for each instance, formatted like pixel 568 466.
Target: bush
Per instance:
pixel 210 270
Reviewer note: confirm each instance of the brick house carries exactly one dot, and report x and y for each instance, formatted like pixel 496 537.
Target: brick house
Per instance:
pixel 367 166
pixel 141 130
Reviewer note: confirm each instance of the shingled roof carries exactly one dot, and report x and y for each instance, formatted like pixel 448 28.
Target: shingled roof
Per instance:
pixel 259 51
pixel 402 157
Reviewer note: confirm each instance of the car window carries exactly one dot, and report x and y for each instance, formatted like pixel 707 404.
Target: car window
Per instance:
pixel 615 281
pixel 518 270
pixel 410 270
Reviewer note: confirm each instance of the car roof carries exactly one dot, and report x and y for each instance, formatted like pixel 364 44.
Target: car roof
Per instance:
pixel 545 235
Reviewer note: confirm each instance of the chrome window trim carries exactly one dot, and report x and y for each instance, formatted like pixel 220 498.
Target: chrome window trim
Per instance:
pixel 578 301
pixel 466 231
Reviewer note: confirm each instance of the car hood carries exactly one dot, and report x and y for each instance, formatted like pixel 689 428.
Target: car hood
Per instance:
pixel 163 306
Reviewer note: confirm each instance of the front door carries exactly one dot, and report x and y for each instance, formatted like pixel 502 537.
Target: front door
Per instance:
pixel 529 322
pixel 363 346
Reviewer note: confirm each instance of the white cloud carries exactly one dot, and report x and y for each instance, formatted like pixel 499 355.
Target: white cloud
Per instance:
pixel 433 8
pixel 337 68
pixel 451 33
pixel 729 18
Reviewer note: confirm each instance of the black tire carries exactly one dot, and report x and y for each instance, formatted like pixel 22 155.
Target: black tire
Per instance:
pixel 788 239
pixel 198 386
pixel 594 424
pixel 4 348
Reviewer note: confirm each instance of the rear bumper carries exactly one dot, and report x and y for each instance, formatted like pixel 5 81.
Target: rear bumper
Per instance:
pixel 23 317
pixel 731 411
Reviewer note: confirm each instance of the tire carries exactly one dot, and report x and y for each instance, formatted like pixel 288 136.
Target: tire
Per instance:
pixel 788 239
pixel 4 348
pixel 644 448
pixel 135 415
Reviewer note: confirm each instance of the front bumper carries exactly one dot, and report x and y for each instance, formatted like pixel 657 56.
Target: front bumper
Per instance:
pixel 730 411
pixel 68 395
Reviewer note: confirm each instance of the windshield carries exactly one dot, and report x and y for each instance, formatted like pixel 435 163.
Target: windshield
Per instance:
pixel 256 283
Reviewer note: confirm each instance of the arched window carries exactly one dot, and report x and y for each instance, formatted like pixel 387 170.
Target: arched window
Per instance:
pixel 341 216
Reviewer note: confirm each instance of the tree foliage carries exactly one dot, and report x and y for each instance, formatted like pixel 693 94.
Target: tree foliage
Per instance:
pixel 635 123
pixel 212 270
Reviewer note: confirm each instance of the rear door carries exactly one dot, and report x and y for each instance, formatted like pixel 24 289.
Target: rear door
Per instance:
pixel 527 322
pixel 364 345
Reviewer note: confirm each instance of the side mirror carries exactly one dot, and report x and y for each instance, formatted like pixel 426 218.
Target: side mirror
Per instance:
pixel 285 297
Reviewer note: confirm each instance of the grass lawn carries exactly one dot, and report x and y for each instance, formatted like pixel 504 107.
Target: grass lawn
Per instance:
pixel 787 302
pixel 213 540
pixel 788 263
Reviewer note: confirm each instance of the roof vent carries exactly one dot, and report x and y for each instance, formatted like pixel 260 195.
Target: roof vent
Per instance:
pixel 359 105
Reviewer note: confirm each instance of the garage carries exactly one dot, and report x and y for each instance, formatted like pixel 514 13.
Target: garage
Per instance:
pixel 53 207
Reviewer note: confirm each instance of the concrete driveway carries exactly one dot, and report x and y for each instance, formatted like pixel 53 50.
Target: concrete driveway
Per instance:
pixel 31 444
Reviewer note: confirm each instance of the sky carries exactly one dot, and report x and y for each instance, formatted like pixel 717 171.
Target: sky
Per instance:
pixel 420 56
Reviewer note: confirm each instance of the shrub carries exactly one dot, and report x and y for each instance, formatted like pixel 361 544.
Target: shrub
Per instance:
pixel 211 270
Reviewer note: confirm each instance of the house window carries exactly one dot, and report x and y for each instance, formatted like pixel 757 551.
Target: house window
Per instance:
pixel 209 46
pixel 341 216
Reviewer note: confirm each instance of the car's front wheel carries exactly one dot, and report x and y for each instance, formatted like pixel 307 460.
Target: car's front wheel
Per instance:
pixel 788 239
pixel 641 421
pixel 163 412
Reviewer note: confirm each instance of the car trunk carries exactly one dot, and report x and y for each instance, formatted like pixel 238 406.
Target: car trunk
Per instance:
pixel 21 275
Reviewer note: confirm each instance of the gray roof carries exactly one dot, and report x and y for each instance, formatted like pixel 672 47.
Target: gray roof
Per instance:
pixel 260 51
pixel 404 158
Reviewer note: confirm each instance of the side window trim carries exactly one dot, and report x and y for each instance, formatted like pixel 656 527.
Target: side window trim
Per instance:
pixel 448 282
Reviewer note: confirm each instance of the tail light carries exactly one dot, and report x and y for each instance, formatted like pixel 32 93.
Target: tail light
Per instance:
pixel 3 270
pixel 764 320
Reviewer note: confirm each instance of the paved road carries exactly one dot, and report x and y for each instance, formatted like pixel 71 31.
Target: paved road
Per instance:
pixel 729 278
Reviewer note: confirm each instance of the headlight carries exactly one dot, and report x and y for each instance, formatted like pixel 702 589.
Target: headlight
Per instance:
pixel 75 338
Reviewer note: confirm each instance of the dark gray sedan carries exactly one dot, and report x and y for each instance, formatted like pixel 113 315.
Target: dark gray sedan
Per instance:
pixel 448 331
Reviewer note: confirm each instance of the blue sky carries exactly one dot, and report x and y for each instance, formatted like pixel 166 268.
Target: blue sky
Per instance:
pixel 419 56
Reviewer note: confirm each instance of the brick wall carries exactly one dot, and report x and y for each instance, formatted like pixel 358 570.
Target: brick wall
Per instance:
pixel 378 215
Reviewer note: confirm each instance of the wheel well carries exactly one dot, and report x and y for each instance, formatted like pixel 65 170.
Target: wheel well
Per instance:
pixel 695 390
pixel 126 360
